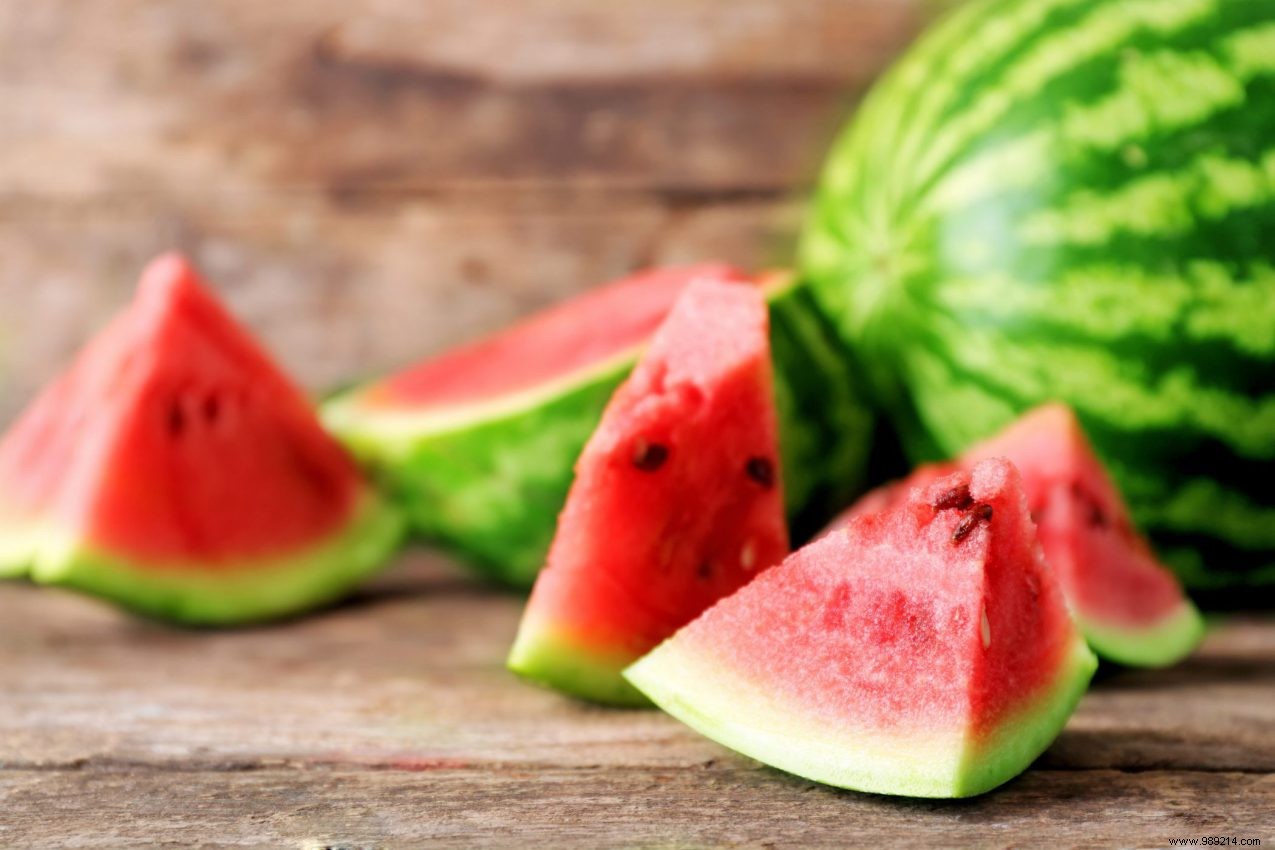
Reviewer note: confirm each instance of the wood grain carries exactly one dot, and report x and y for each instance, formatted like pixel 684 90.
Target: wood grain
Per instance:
pixel 371 181
pixel 707 806
pixel 390 721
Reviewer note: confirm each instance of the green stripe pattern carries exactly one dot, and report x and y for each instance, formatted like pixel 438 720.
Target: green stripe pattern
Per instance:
pixel 1075 200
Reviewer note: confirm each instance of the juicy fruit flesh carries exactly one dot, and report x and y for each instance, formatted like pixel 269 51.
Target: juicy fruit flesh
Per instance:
pixel 1132 589
pixel 555 343
pixel 1130 606
pixel 175 442
pixel 677 499
pixel 37 452
pixel 929 645
pixel 1106 568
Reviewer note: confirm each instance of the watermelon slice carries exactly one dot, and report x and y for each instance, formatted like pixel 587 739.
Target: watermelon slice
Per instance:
pixel 925 650
pixel 479 443
pixel 174 469
pixel 1130 607
pixel 677 500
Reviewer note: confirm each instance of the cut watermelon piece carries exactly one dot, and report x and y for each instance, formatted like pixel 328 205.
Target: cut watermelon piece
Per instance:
pixel 677 500
pixel 175 470
pixel 479 444
pixel 925 650
pixel 1131 608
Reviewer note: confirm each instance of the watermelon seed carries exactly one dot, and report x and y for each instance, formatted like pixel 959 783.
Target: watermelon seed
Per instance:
pixel 985 628
pixel 705 571
pixel 748 556
pixel 964 527
pixel 957 497
pixel 176 419
pixel 979 513
pixel 1097 516
pixel 649 457
pixel 761 470
pixel 212 408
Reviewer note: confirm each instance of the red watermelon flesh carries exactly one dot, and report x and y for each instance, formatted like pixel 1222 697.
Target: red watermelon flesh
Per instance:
pixel 677 500
pixel 173 454
pixel 923 650
pixel 551 345
pixel 1131 607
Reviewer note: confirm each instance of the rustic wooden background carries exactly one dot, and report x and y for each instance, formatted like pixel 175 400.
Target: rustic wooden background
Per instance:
pixel 370 180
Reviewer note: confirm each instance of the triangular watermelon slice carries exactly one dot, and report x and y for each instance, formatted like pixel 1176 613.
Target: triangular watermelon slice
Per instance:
pixel 677 500
pixel 174 469
pixel 1131 608
pixel 925 650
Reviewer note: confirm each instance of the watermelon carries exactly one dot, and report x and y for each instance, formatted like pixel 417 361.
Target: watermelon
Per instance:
pixel 1074 200
pixel 174 469
pixel 925 650
pixel 479 443
pixel 677 500
pixel 1130 607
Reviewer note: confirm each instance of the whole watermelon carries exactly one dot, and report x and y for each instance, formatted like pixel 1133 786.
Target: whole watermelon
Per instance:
pixel 1075 200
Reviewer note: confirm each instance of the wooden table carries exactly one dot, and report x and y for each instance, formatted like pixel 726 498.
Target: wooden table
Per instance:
pixel 391 722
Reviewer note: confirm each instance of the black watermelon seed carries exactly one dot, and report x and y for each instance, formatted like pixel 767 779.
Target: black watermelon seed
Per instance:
pixel 176 419
pixel 957 497
pixel 979 513
pixel 761 470
pixel 649 457
pixel 212 408
pixel 964 527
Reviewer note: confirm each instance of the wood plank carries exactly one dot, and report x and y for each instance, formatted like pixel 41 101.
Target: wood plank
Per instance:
pixel 375 180
pixel 134 96
pixel 412 672
pixel 341 290
pixel 708 805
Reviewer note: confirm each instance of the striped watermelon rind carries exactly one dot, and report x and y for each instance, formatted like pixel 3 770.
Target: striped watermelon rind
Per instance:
pixel 1073 200
pixel 488 482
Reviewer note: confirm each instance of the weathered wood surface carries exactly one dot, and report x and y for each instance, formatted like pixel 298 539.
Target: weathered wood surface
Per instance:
pixel 390 722
pixel 370 181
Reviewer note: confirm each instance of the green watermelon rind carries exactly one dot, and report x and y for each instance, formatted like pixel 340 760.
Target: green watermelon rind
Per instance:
pixel 576 667
pixel 1161 644
pixel 490 489
pixel 699 690
pixel 488 481
pixel 227 594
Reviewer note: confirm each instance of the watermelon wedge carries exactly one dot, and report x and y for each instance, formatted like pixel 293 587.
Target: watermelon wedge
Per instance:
pixel 174 469
pixel 677 500
pixel 1131 608
pixel 479 443
pixel 925 650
